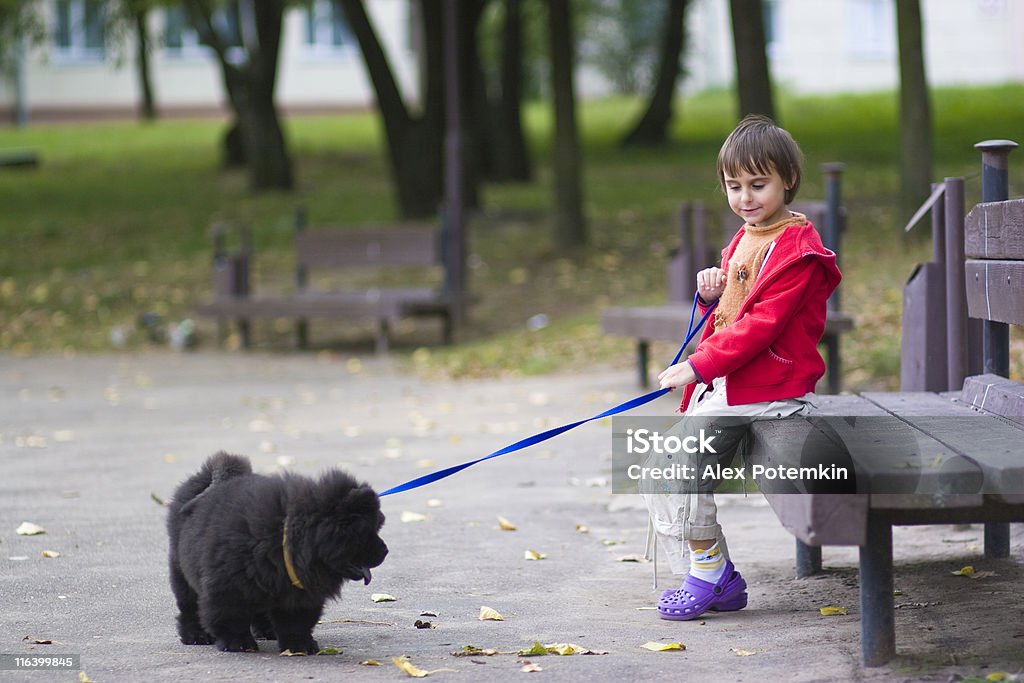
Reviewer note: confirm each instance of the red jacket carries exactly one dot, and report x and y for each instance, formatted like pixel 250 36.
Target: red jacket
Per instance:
pixel 770 351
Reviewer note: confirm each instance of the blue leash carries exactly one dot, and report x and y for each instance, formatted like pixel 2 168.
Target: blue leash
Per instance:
pixel 551 433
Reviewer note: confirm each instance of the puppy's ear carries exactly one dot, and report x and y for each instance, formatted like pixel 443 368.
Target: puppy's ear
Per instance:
pixel 360 500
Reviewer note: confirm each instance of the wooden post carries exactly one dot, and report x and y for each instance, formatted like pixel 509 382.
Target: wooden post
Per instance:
pixel 833 215
pixel 956 295
pixel 995 335
pixel 877 608
pixel 301 282
pixel 995 188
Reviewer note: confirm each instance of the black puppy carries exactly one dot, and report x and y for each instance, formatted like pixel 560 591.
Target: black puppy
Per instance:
pixel 257 557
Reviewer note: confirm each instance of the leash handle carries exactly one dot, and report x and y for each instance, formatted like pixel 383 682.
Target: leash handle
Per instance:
pixel 691 332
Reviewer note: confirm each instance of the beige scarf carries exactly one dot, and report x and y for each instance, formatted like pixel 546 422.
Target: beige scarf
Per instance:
pixel 745 265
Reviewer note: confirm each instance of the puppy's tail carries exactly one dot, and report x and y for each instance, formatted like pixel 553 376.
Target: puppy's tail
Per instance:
pixel 217 468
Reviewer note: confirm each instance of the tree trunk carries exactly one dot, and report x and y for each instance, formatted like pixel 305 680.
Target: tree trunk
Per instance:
pixel 476 124
pixel 415 146
pixel 753 78
pixel 915 110
pixel 147 108
pixel 255 137
pixel 652 128
pixel 570 223
pixel 510 155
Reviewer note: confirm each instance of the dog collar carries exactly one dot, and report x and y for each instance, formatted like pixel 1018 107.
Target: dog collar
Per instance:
pixel 288 566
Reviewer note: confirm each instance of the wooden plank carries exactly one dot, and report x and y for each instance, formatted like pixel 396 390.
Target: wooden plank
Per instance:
pixel 668 322
pixel 407 245
pixel 995 290
pixel 986 442
pixel 995 394
pixel 380 303
pixel 665 323
pixel 995 230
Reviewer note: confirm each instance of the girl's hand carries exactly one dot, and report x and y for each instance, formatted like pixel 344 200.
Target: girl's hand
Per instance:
pixel 678 375
pixel 711 284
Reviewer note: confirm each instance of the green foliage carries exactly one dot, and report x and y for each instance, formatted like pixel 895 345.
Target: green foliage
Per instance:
pixel 114 223
pixel 620 38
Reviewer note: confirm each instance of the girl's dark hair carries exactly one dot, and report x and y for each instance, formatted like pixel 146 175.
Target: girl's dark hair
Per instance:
pixel 758 145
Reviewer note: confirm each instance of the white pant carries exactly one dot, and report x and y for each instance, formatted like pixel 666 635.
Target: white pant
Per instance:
pixel 677 517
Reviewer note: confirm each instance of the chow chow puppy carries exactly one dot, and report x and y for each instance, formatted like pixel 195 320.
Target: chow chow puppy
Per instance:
pixel 257 556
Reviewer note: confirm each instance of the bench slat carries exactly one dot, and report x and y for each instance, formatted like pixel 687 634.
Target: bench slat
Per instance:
pixel 406 245
pixel 380 303
pixel 990 443
pixel 995 290
pixel 995 230
pixel 995 394
pixel 668 322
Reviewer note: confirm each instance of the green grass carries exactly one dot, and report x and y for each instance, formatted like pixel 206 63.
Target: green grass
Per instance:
pixel 115 222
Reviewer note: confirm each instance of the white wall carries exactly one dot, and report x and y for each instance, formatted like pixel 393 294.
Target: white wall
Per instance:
pixel 828 46
pixel 193 78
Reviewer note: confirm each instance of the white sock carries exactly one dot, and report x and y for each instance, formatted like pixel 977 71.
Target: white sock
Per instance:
pixel 707 565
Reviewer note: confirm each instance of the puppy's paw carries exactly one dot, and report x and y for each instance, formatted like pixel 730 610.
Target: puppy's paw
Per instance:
pixel 237 644
pixel 195 636
pixel 262 628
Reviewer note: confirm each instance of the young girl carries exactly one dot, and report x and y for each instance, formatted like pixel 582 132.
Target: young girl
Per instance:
pixel 759 356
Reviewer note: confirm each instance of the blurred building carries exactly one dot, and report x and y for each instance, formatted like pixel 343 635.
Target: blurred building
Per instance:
pixel 815 46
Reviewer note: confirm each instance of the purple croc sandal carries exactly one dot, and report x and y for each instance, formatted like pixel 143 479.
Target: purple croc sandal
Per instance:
pixel 696 597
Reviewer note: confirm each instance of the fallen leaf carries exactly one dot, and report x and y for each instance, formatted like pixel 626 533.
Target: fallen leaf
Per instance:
pixel 370 662
pixel 529 668
pixel 289 653
pixel 536 651
pixel 84 678
pixel 488 614
pixel 428 614
pixel 408 516
pixel 832 611
pixel 157 499
pixel 630 558
pixel 571 649
pixel 329 651
pixel 582 529
pixel 611 541
pixel 998 676
pixel 405 665
pixel 473 651
pixel 29 529
pixel 36 641
pixel 743 653
pixel 383 597
pixel 51 553
pixel 434 503
pixel 971 573
pixel 533 555
pixel 505 525
pixel 662 647
pixel 424 463
pixel 419 623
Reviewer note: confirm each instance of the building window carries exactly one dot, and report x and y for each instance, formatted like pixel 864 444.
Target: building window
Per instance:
pixel 770 12
pixel 871 29
pixel 79 29
pixel 181 40
pixel 327 29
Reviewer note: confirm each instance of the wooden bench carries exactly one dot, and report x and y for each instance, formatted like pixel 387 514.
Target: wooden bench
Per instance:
pixel 667 322
pixel 393 247
pixel 971 467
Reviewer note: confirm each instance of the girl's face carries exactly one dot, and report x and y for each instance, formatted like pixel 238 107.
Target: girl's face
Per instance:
pixel 758 199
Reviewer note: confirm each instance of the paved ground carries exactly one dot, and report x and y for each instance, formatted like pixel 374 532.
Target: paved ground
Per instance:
pixel 86 445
